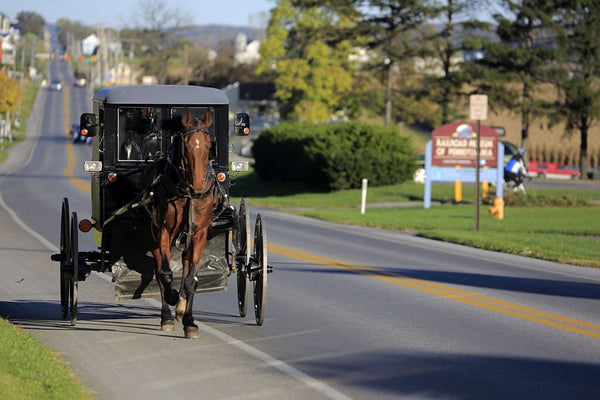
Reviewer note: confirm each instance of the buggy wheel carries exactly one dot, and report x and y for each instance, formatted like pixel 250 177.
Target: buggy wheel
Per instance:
pixel 74 258
pixel 243 257
pixel 259 270
pixel 65 236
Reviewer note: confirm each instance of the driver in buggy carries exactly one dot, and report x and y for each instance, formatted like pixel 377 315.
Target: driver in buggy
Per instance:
pixel 140 138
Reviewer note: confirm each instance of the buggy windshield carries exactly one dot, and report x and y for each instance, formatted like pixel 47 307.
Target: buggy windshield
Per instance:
pixel 146 132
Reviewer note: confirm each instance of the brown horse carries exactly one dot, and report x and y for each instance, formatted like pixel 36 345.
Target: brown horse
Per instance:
pixel 182 202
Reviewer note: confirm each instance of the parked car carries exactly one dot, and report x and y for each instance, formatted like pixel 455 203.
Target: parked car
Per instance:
pixel 77 136
pixel 553 170
pixel 79 81
pixel 55 84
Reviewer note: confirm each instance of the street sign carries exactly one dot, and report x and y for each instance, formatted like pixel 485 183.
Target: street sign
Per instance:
pixel 478 107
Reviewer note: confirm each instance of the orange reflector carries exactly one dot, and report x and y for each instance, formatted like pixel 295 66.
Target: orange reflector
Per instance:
pixel 84 132
pixel 85 225
pixel 221 176
pixel 246 131
pixel 112 177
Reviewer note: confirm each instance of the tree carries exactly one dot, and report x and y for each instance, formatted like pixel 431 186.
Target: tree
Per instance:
pixel 391 27
pixel 10 93
pixel 306 53
pixel 30 21
pixel 159 28
pixel 517 66
pixel 579 89
pixel 457 31
pixel 10 98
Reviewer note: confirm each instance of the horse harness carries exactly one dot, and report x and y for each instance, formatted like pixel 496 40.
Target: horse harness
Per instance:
pixel 183 189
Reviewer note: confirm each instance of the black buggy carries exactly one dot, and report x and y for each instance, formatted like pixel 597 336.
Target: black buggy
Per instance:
pixel 131 128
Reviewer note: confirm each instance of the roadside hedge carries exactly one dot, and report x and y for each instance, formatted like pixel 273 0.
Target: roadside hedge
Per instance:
pixel 334 156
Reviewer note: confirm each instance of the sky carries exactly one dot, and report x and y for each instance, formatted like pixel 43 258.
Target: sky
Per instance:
pixel 121 13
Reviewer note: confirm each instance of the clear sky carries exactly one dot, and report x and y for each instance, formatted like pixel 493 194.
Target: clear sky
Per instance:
pixel 121 13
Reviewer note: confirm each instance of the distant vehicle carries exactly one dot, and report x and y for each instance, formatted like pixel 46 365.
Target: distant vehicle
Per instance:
pixel 79 81
pixel 77 136
pixel 553 170
pixel 55 84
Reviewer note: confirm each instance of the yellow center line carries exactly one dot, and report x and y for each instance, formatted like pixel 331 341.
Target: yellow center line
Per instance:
pixel 448 292
pixel 500 306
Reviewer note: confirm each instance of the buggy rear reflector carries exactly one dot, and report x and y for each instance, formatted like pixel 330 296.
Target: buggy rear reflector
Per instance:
pixel 112 177
pixel 221 177
pixel 85 225
pixel 92 166
pixel 239 166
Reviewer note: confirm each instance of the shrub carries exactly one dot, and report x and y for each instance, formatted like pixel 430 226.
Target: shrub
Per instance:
pixel 334 156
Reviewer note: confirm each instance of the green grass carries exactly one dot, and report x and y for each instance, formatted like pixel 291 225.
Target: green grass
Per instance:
pixel 30 371
pixel 549 224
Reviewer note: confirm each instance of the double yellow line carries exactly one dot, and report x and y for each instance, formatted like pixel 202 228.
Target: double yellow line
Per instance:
pixel 503 307
pixel 500 306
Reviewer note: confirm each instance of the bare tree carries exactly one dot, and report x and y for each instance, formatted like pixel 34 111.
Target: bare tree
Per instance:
pixel 159 29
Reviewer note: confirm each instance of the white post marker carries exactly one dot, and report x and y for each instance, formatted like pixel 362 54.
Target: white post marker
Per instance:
pixel 363 202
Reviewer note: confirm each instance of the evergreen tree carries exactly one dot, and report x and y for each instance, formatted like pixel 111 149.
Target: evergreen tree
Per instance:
pixel 458 31
pixel 31 21
pixel 391 30
pixel 522 60
pixel 579 102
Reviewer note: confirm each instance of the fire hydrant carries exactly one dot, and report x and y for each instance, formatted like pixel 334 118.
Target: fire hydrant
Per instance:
pixel 497 210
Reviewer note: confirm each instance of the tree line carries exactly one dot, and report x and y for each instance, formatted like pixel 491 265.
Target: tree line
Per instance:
pixel 538 58
pixel 401 59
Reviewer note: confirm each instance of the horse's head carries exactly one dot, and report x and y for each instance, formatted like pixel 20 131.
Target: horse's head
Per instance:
pixel 197 147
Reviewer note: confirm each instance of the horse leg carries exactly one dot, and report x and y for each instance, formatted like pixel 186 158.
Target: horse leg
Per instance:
pixel 181 304
pixel 164 277
pixel 192 259
pixel 190 283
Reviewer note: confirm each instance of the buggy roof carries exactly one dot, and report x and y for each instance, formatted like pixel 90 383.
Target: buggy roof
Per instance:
pixel 161 94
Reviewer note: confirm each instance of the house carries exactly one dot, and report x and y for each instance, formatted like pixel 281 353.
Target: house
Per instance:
pixel 257 99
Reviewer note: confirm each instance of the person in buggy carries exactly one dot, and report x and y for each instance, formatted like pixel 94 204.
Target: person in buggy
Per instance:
pixel 515 172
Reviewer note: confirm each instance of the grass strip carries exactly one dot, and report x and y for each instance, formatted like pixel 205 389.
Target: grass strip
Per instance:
pixel 30 371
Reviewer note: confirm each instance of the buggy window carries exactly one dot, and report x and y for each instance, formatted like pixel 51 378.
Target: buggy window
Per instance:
pixel 140 134
pixel 142 130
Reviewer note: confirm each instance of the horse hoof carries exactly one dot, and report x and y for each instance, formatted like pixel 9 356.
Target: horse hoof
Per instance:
pixel 167 326
pixel 191 332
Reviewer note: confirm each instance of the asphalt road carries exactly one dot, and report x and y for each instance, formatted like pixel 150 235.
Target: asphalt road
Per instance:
pixel 351 312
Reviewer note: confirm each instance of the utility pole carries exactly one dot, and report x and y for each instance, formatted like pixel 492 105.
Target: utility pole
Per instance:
pixel 185 64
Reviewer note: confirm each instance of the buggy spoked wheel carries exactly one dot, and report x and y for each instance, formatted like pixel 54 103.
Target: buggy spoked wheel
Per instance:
pixel 74 261
pixel 243 257
pixel 65 237
pixel 259 270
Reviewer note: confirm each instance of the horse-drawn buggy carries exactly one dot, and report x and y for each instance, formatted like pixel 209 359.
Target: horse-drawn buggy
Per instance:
pixel 161 216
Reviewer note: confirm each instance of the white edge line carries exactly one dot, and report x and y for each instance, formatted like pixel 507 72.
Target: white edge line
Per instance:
pixel 253 351
pixel 269 360
pixel 26 228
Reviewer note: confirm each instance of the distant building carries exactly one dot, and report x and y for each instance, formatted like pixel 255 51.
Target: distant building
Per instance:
pixel 246 51
pixel 89 45
pixel 9 36
pixel 257 99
